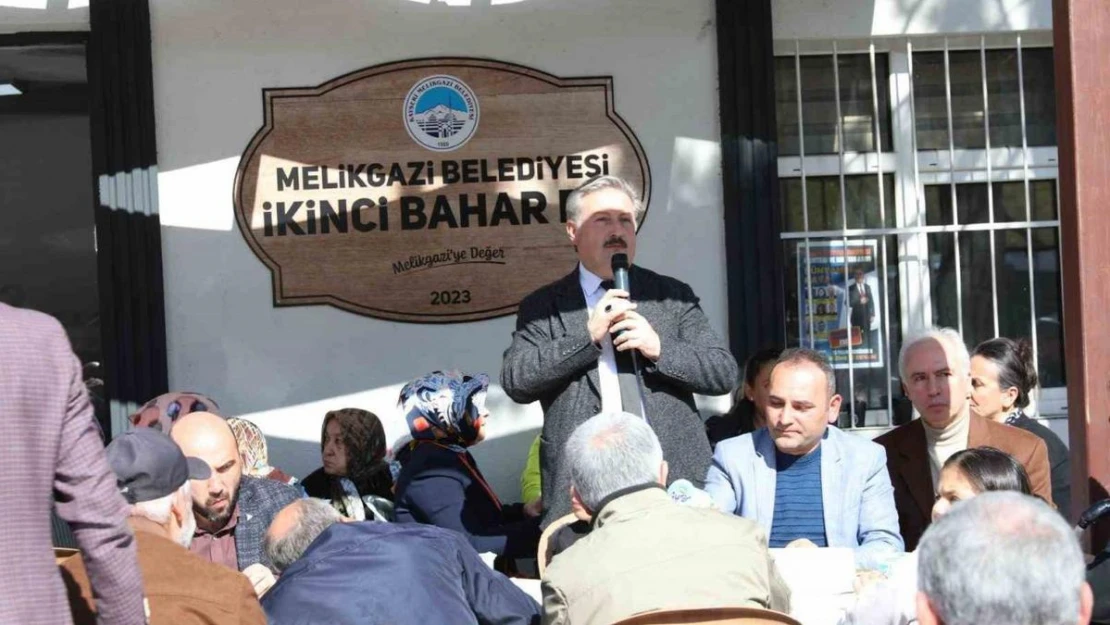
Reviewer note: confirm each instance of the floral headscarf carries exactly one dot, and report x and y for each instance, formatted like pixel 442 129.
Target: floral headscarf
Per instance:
pixel 252 447
pixel 161 412
pixel 444 406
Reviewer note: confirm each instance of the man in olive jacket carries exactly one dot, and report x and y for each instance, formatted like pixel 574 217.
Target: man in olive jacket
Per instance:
pixel 645 552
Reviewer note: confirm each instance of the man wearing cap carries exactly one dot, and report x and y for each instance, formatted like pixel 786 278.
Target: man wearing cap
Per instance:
pixel 181 588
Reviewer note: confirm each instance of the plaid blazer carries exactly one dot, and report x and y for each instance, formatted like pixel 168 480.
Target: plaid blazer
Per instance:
pixel 53 456
pixel 260 500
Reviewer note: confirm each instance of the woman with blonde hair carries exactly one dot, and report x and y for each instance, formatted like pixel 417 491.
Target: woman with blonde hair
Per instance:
pixel 255 453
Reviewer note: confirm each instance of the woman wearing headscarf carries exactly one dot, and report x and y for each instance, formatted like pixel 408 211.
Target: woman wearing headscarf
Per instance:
pixel 439 482
pixel 161 412
pixel 254 452
pixel 355 476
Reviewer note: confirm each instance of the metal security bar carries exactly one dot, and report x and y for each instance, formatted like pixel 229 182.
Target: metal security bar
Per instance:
pixel 1028 202
pixel 952 184
pixel 805 190
pixel 990 178
pixel 843 224
pixel 882 219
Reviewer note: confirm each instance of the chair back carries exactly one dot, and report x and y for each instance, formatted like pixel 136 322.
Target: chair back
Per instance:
pixel 711 616
pixel 61 554
pixel 542 558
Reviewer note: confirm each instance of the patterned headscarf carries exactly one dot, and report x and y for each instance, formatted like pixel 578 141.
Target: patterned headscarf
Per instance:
pixel 444 405
pixel 252 447
pixel 161 412
pixel 364 437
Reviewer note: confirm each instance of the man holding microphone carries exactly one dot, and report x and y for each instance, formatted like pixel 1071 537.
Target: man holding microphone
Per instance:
pixel 583 346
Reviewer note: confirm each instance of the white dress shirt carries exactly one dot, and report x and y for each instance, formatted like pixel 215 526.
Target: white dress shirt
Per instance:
pixel 607 363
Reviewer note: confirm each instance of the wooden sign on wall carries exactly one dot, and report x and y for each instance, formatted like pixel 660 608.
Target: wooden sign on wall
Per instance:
pixel 427 191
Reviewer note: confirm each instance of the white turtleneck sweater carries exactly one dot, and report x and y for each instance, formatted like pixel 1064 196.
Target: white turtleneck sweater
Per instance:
pixel 945 442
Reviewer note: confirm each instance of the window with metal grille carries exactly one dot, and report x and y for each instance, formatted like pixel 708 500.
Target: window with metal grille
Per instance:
pixel 918 187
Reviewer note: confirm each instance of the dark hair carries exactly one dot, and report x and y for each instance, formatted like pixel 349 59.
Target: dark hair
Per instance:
pixel 757 361
pixel 1014 360
pixel 797 355
pixel 364 438
pixel 987 469
pixel 741 418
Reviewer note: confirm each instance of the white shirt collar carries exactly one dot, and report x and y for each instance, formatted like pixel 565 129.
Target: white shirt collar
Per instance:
pixel 588 280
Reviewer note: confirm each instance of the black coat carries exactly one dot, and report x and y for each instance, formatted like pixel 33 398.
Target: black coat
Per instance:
pixel 1058 460
pixel 439 486
pixel 740 420
pixel 320 485
pixel 1098 576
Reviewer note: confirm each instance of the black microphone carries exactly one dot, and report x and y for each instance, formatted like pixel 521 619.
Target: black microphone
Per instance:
pixel 619 263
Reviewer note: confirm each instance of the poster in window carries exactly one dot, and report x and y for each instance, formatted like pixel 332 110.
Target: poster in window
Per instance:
pixel 841 300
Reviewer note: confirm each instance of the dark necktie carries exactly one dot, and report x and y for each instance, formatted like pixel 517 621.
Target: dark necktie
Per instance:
pixel 627 380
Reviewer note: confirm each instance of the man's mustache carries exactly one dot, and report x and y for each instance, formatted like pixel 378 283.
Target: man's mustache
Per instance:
pixel 615 240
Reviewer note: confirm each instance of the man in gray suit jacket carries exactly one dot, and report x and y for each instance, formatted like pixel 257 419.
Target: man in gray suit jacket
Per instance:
pixel 53 456
pixel 802 479
pixel 566 352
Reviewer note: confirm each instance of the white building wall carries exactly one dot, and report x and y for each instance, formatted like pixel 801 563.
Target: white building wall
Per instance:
pixel 283 368
pixel 848 19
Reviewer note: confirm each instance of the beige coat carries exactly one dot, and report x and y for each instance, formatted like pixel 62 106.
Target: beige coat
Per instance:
pixel 648 553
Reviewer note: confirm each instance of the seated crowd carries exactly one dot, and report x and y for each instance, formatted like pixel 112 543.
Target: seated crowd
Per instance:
pixel 380 535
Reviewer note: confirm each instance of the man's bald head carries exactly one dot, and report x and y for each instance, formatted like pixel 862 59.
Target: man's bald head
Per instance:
pixel 208 437
pixel 295 527
pixel 202 431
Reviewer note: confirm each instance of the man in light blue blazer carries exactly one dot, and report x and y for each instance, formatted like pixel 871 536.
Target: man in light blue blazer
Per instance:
pixel 803 480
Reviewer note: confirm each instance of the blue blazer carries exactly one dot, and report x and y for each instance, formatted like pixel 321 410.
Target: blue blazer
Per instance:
pixel 855 489
pixel 389 574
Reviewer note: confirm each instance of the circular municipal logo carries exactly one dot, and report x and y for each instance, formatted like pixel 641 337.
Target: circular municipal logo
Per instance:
pixel 441 113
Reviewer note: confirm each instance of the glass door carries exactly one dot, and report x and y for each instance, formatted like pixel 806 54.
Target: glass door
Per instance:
pixel 47 245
